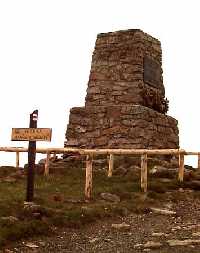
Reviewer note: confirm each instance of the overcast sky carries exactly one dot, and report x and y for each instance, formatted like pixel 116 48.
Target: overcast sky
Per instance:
pixel 45 56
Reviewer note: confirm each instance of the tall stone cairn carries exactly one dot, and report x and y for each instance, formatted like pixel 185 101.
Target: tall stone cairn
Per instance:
pixel 125 105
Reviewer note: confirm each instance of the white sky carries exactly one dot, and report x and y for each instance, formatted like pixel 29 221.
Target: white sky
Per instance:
pixel 45 57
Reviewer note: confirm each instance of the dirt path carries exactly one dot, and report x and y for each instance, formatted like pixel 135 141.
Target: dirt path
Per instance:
pixel 150 232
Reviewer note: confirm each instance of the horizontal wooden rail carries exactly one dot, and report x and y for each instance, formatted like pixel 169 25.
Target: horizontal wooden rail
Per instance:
pixel 192 153
pixel 118 151
pixel 102 151
pixel 13 149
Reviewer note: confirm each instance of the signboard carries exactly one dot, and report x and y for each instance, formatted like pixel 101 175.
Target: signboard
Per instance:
pixel 152 72
pixel 31 134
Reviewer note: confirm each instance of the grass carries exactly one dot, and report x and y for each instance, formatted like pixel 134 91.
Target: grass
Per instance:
pixel 60 197
pixel 55 195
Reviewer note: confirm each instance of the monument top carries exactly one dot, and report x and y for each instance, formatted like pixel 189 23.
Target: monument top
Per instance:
pixel 126 70
pixel 139 32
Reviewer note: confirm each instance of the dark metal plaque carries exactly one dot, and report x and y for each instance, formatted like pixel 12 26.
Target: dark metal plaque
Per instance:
pixel 152 72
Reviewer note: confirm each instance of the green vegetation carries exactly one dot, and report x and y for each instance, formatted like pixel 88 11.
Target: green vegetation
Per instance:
pixel 59 199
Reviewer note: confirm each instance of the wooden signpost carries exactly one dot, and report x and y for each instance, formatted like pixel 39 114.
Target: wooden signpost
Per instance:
pixel 31 134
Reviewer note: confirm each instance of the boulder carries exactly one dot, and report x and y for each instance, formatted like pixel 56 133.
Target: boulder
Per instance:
pixel 110 197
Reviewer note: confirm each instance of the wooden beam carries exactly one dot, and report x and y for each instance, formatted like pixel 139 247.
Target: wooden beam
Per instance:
pixel 46 167
pixel 54 156
pixel 102 151
pixel 199 161
pixel 144 172
pixel 88 181
pixel 181 167
pixel 13 149
pixel 110 165
pixel 124 151
pixel 191 153
pixel 17 159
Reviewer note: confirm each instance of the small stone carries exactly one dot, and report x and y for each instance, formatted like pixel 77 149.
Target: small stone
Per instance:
pixel 10 219
pixel 168 205
pixel 31 245
pixel 86 209
pixel 196 234
pixel 122 226
pixel 107 240
pixel 138 245
pixel 152 244
pixel 162 211
pixel 31 206
pixel 94 240
pixel 158 234
pixel 182 242
pixel 110 197
pixel 42 244
pixel 176 228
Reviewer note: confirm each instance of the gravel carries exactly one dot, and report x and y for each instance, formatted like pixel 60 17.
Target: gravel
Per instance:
pixel 150 232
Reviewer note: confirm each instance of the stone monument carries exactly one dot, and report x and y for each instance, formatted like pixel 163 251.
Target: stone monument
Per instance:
pixel 125 105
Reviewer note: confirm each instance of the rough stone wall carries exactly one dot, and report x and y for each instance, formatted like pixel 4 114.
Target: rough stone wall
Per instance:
pixel 117 71
pixel 121 127
pixel 125 105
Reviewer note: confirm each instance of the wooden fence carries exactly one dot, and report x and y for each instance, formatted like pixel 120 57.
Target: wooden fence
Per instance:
pixel 90 153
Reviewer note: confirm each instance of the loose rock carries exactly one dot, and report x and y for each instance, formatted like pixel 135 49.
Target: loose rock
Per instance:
pixel 11 219
pixel 196 234
pixel 122 226
pixel 158 234
pixel 152 244
pixel 162 211
pixel 182 242
pixel 31 245
pixel 110 197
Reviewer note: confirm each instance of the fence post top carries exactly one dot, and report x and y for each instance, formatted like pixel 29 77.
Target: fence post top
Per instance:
pixel 182 151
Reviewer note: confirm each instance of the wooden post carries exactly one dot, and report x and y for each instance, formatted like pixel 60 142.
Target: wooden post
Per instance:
pixel 17 160
pixel 144 172
pixel 88 183
pixel 46 167
pixel 110 165
pixel 31 159
pixel 181 167
pixel 199 161
pixel 54 156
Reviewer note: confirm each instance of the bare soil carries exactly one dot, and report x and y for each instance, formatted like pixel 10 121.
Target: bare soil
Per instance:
pixel 147 227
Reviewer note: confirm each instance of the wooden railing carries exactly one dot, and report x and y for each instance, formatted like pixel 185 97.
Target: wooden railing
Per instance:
pixel 90 153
